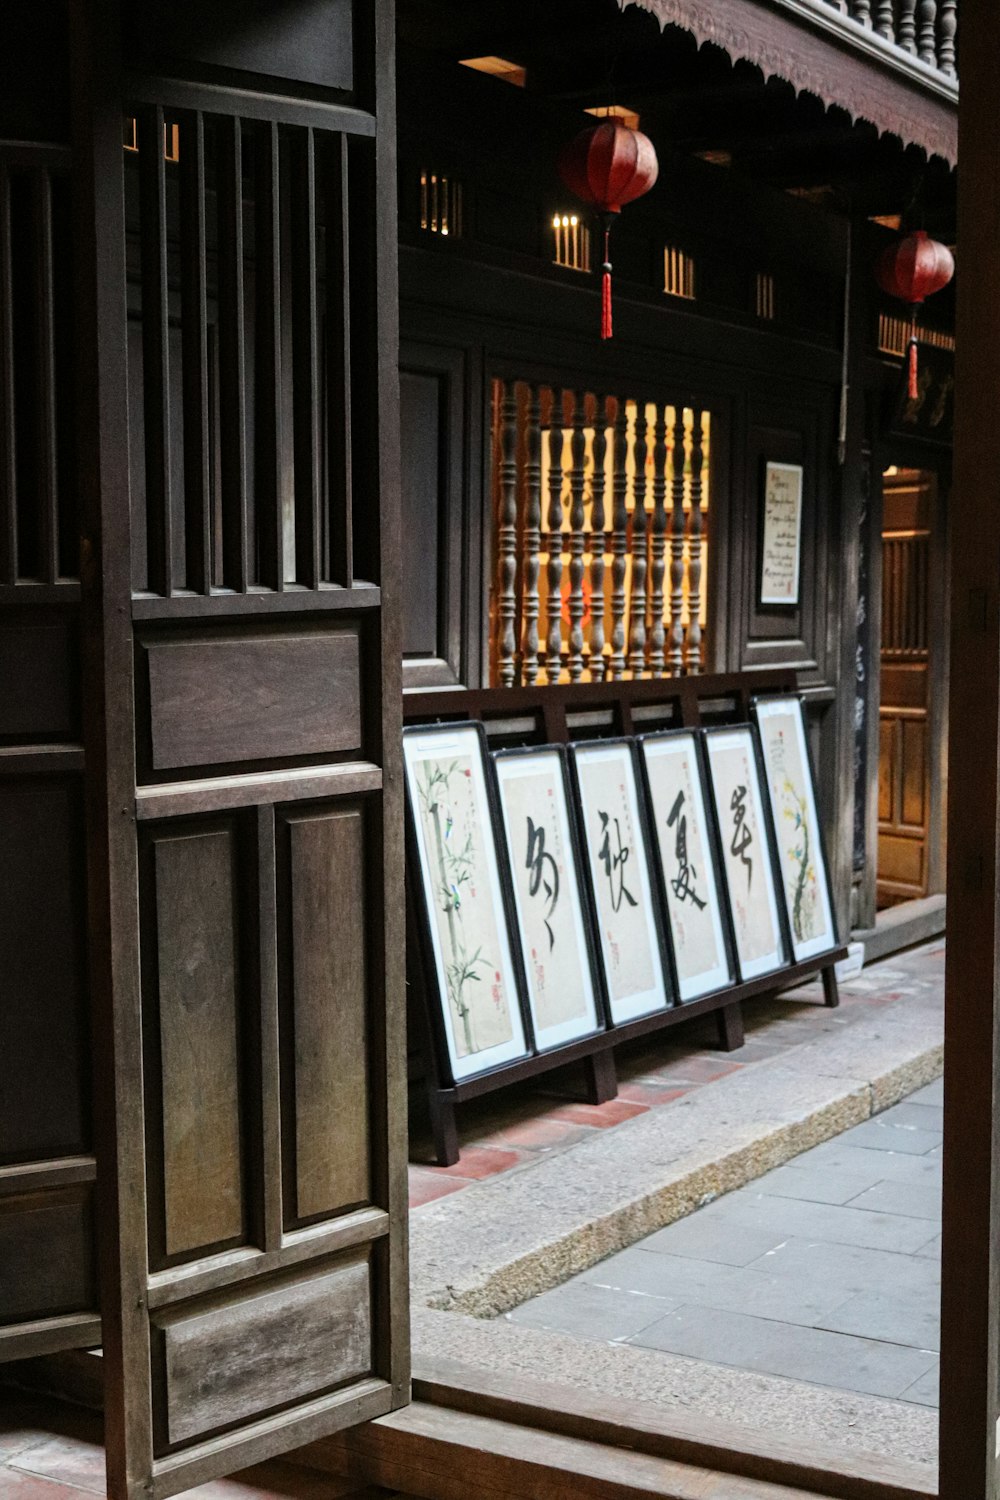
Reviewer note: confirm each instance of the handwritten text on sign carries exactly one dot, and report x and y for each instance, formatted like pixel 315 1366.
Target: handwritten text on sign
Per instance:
pixel 779 582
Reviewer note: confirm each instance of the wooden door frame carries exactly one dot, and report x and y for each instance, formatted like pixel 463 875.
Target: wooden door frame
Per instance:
pixel 969 1467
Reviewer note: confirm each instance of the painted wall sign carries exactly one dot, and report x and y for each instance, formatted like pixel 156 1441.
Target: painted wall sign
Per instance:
pixel 782 539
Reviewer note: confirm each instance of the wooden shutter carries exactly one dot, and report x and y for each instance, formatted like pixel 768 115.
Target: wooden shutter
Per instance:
pixel 48 1281
pixel 239 430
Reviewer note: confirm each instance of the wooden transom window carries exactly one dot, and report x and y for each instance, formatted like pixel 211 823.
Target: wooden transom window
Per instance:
pixel 600 532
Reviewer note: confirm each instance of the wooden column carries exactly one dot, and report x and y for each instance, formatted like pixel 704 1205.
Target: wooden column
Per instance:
pixel 658 549
pixel 970 1331
pixel 577 540
pixel 553 659
pixel 619 543
pixel 637 611
pixel 598 542
pixel 695 523
pixel 677 547
pixel 507 536
pixel 532 538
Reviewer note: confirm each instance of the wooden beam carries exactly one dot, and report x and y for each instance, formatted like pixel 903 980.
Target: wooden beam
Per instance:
pixel 970 1333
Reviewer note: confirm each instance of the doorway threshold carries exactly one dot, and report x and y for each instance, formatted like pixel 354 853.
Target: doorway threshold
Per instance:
pixel 903 926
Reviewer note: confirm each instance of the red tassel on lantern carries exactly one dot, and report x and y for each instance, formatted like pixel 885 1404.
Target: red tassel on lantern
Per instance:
pixel 608 165
pixel 912 269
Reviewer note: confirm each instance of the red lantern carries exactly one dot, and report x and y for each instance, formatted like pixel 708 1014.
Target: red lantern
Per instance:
pixel 912 269
pixel 608 165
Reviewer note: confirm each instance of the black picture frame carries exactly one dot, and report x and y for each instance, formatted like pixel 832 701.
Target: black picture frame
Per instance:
pixel 665 991
pixel 726 974
pixel 773 960
pixel 801 952
pixel 450 1059
pixel 596 1020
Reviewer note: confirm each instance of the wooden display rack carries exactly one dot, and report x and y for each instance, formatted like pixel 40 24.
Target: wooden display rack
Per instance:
pixel 558 715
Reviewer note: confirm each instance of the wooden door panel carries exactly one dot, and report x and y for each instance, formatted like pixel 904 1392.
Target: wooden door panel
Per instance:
pixel 251 999
pixel 47 1254
pixel 220 1362
pixel 326 999
pixel 197 1003
pixel 913 755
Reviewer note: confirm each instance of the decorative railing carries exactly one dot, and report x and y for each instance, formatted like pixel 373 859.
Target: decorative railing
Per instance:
pixel 926 29
pixel 600 507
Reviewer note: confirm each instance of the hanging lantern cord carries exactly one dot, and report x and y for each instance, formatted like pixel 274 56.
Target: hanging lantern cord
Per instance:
pixel 913 389
pixel 606 323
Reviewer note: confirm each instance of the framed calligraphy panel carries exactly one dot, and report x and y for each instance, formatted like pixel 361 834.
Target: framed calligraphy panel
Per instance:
pixel 792 797
pixel 460 896
pixel 781 542
pixel 747 858
pixel 616 860
pixel 543 860
pixel 686 846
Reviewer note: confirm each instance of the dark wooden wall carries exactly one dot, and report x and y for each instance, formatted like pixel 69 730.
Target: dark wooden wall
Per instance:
pixel 491 304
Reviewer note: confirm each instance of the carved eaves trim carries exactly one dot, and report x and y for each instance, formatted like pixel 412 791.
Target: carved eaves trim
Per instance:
pixel 820 51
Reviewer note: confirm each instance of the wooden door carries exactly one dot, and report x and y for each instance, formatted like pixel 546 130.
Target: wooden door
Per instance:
pixel 904 786
pixel 238 425
pixel 48 1279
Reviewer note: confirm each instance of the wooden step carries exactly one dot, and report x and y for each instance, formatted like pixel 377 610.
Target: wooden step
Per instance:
pixel 440 1454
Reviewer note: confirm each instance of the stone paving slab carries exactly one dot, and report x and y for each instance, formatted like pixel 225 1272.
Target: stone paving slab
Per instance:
pixel 575 1220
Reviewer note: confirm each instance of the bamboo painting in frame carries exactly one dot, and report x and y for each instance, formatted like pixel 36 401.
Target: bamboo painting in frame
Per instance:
pixel 686 850
pixel 747 859
pixel 461 892
pixel 615 856
pixel 792 797
pixel 543 856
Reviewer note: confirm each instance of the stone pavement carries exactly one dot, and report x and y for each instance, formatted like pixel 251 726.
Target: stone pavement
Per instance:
pixel 693 1166
pixel 523 1124
pixel 826 1270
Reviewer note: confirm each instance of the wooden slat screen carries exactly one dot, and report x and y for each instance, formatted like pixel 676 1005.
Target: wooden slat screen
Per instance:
pixel 243 364
pixel 583 463
pixel 39 541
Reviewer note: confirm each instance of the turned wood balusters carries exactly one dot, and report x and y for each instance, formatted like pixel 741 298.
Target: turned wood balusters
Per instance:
pixel 572 600
pixel 924 28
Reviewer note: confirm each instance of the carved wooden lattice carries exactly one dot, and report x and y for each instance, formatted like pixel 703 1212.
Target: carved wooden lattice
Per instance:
pixel 600 532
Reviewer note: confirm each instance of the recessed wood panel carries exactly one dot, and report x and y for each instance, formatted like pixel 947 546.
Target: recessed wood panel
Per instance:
pixel 47 1254
pixel 900 860
pixel 263 698
pixel 198 1010
pixel 39 669
pixel 245 1355
pixel 327 974
pixel 914 758
pixel 44 1063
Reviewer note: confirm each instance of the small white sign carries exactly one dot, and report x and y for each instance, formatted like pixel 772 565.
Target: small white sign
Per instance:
pixel 779 574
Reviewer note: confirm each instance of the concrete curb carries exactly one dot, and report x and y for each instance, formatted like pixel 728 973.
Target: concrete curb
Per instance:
pixel 485 1250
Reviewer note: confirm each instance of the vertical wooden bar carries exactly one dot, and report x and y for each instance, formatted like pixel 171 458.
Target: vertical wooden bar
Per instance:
pixel 109 736
pixel 47 499
pixel 532 537
pixel 269 1184
pixel 194 359
pixel 677 523
pixel 339 490
pixel 927 31
pixel 268 467
pixel 232 357
pixel 658 546
pixel 553 659
pixel 969 1450
pixel 305 358
pixel 906 35
pixel 577 539
pixel 507 538
pixel 695 523
pixel 598 541
pixel 619 542
pixel 8 450
pixel 637 603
